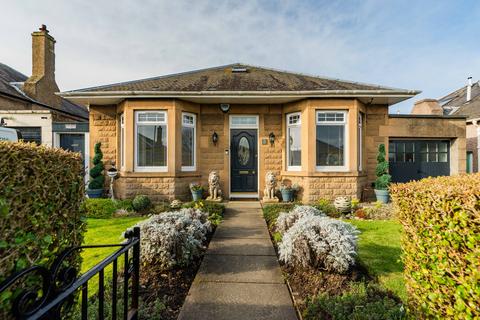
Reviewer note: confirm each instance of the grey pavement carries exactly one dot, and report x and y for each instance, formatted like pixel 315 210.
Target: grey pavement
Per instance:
pixel 240 277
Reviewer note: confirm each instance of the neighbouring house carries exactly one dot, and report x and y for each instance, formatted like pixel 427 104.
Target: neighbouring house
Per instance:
pixel 244 121
pixel 31 105
pixel 466 102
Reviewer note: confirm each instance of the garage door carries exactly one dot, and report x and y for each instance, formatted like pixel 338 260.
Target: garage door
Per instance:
pixel 417 159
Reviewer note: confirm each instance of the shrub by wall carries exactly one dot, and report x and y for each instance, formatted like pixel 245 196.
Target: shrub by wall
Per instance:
pixel 41 190
pixel 441 243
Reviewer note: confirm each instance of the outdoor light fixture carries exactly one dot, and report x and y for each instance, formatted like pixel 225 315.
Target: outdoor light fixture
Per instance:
pixel 271 137
pixel 224 107
pixel 214 138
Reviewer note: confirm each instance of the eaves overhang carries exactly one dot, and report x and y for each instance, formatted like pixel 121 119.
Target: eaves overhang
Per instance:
pixel 388 97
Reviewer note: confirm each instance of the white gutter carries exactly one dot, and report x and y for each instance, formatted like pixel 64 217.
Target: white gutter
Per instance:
pixel 236 94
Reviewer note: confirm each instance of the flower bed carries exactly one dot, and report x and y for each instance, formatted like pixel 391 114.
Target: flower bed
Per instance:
pixel 328 283
pixel 173 244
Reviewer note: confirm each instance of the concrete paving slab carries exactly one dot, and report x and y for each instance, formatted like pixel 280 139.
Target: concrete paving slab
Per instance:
pixel 253 232
pixel 241 247
pixel 230 268
pixel 238 301
pixel 240 277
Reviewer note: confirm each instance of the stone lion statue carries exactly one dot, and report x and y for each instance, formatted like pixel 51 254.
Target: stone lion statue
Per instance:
pixel 214 186
pixel 270 184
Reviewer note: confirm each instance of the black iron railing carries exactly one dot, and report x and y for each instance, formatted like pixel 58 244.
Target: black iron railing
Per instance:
pixel 55 293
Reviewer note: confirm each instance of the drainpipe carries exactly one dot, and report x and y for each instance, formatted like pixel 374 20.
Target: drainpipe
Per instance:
pixel 477 125
pixel 469 89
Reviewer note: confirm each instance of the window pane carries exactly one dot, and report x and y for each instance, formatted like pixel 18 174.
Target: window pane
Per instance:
pixel 443 146
pixel 152 145
pixel 330 145
pixel 401 147
pixel 409 147
pixel 391 147
pixel 30 134
pixel 442 157
pixel 432 157
pixel 432 147
pixel 409 157
pixel 187 119
pixel 151 117
pixel 423 147
pixel 188 146
pixel 294 119
pixel 294 146
pixel 246 120
pixel 424 157
pixel 391 157
pixel 400 156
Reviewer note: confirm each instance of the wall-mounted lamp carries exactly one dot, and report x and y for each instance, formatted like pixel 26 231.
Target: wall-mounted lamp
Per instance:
pixel 271 137
pixel 214 138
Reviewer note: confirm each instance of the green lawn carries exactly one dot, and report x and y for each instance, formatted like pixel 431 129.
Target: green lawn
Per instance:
pixel 104 231
pixel 379 251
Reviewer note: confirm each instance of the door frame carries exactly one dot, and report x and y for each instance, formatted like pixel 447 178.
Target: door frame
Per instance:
pixel 86 152
pixel 251 127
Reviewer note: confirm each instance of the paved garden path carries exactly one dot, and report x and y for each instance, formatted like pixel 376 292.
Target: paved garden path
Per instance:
pixel 240 277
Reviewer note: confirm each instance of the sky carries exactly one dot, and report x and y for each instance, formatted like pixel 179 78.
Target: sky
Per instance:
pixel 430 46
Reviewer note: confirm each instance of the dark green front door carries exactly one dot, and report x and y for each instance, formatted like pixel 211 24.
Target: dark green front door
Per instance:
pixel 244 173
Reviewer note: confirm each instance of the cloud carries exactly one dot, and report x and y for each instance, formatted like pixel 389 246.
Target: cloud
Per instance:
pixel 427 45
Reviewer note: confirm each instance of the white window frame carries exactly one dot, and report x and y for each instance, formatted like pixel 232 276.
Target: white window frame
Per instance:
pixel 293 125
pixel 165 122
pixel 194 126
pixel 343 168
pixel 360 141
pixel 122 141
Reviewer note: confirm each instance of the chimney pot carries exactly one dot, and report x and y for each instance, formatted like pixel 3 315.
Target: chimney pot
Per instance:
pixel 43 28
pixel 469 89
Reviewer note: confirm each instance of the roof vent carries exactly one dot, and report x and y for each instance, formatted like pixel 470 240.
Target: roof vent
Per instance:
pixel 239 70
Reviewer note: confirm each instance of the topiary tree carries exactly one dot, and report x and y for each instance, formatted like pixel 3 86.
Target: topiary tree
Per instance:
pixel 96 173
pixel 381 171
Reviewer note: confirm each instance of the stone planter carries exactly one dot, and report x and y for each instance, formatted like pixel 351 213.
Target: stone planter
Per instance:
pixel 382 195
pixel 287 195
pixel 197 195
pixel 94 193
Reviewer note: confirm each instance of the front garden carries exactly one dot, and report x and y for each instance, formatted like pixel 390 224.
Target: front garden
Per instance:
pixel 329 276
pixel 174 239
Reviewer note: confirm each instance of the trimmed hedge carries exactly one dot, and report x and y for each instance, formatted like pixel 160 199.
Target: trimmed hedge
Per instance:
pixel 41 190
pixel 441 243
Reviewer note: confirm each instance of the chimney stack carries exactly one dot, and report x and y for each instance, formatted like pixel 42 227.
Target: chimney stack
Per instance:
pixel 428 107
pixel 469 89
pixel 41 85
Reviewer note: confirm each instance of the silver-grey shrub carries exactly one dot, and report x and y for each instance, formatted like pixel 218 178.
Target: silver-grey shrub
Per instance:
pixel 286 220
pixel 320 242
pixel 173 239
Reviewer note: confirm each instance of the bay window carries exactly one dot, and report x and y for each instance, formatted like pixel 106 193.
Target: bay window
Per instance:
pixel 331 140
pixel 188 141
pixel 294 152
pixel 151 141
